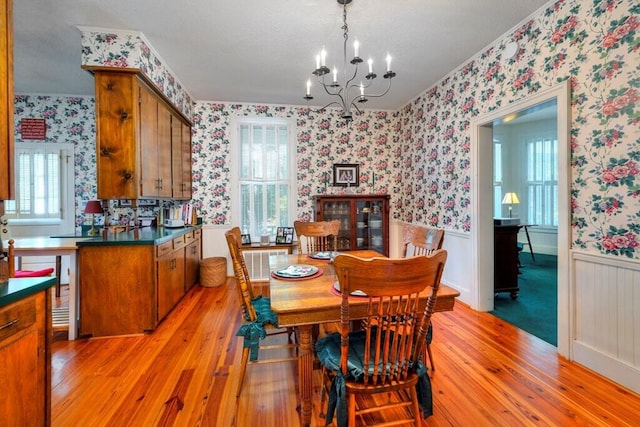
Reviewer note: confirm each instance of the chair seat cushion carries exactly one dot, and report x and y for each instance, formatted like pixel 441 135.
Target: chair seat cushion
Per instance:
pixel 328 352
pixel 36 273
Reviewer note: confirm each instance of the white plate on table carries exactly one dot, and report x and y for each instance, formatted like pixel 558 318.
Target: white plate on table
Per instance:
pixel 297 270
pixel 326 255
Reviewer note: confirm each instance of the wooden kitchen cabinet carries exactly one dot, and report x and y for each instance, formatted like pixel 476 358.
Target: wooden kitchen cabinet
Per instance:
pixel 364 220
pixel 25 355
pixel 135 140
pixel 171 275
pixel 6 104
pixel 155 144
pixel 129 288
pixel 181 157
pixel 192 256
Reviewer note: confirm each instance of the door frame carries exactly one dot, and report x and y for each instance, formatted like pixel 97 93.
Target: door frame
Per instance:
pixel 482 205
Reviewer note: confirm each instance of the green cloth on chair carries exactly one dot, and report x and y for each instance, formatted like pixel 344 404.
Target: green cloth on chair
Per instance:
pixel 253 332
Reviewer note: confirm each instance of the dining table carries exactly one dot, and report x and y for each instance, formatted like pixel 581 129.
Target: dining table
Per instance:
pixel 303 302
pixel 57 246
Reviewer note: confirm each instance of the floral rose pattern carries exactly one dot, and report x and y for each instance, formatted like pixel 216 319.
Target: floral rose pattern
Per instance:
pixel 420 154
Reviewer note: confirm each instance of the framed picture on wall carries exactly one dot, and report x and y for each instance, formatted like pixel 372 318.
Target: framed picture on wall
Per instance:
pixel 346 175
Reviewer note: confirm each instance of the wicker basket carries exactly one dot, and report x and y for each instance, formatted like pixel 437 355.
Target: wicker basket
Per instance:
pixel 213 271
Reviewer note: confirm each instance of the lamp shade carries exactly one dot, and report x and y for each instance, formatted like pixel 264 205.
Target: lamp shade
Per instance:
pixel 93 207
pixel 511 199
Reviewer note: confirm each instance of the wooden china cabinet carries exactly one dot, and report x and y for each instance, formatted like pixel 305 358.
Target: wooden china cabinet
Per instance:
pixel 364 220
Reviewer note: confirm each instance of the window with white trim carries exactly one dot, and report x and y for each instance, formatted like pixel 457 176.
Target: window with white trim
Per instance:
pixel 266 176
pixel 40 170
pixel 542 181
pixel 497 179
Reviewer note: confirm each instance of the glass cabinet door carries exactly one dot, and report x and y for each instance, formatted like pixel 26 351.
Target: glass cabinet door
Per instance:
pixel 340 210
pixel 369 225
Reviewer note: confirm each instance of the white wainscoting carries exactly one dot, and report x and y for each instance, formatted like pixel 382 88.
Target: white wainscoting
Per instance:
pixel 606 317
pixel 457 271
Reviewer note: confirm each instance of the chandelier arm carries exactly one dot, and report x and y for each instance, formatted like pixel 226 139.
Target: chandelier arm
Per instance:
pixel 380 94
pixel 326 106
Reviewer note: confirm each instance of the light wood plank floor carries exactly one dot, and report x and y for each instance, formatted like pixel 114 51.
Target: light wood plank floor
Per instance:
pixel 488 373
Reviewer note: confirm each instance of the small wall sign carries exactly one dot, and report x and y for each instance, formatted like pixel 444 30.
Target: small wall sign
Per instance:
pixel 33 129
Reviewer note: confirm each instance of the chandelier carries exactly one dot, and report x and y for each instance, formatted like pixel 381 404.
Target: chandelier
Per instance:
pixel 349 94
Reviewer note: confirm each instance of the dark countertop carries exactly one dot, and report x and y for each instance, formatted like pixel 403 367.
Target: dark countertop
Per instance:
pixel 138 236
pixel 17 289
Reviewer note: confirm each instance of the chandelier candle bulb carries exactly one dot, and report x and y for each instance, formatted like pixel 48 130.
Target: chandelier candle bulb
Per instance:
pixel 323 57
pixel 361 89
pixel 370 62
pixel 317 61
pixel 308 87
pixel 335 75
pixel 356 45
pixel 388 62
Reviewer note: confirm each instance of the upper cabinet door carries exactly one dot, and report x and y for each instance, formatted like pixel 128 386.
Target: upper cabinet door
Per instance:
pixel 116 117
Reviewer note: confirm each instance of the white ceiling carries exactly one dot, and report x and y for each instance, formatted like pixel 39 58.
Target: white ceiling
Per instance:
pixel 262 51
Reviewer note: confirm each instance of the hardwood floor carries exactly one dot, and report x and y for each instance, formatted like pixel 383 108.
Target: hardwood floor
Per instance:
pixel 488 373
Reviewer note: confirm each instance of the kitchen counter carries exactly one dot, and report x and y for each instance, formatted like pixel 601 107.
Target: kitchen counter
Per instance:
pixel 17 289
pixel 137 236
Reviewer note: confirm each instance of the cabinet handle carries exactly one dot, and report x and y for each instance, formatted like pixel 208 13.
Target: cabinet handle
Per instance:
pixel 9 324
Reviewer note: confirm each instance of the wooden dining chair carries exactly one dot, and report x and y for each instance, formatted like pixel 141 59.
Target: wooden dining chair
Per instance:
pixel 422 240
pixel 317 236
pixel 259 321
pixel 386 355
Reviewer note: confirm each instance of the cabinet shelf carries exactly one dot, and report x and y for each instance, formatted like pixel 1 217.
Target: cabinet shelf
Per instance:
pixel 364 220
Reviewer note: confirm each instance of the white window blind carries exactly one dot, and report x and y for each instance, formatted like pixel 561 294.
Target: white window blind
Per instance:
pixel 265 177
pixel 542 181
pixel 38 182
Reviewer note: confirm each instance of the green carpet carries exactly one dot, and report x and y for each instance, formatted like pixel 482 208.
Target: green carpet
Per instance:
pixel 535 309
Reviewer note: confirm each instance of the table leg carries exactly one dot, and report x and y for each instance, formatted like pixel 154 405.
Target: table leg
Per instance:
pixel 73 295
pixel 58 274
pixel 526 231
pixel 305 372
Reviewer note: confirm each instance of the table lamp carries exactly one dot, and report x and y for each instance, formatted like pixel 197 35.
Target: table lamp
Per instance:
pixel 510 199
pixel 93 207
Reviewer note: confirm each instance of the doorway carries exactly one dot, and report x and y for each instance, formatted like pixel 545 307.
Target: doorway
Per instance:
pixel 525 182
pixel 483 207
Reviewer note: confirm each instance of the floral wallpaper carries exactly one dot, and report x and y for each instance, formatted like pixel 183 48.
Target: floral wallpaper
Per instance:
pixel 420 154
pixel 596 44
pixel 69 119
pixel 322 140
pixel 126 49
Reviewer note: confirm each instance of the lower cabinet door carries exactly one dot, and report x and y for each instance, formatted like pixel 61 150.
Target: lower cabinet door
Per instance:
pixel 170 281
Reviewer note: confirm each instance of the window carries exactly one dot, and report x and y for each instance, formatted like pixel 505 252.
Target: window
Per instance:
pixel 40 175
pixel 266 177
pixel 542 181
pixel 497 179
